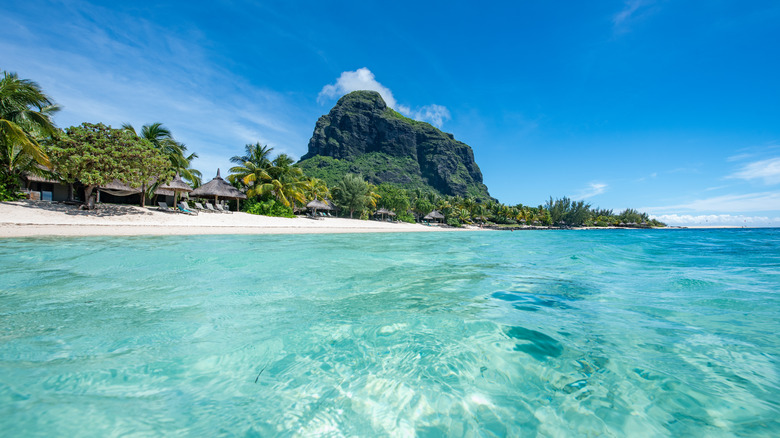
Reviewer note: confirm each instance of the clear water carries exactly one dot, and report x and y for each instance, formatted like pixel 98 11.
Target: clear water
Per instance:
pixel 600 333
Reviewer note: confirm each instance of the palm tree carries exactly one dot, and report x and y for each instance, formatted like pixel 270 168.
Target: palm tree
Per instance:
pixel 163 140
pixel 286 182
pixel 277 178
pixel 252 167
pixel 316 189
pixel 25 120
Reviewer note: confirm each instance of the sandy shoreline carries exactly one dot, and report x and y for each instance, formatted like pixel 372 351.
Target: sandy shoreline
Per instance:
pixel 35 218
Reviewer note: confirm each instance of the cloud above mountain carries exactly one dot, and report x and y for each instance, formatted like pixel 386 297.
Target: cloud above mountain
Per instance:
pixel 364 79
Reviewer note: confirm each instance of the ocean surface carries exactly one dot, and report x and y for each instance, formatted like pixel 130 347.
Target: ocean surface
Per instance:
pixel 546 333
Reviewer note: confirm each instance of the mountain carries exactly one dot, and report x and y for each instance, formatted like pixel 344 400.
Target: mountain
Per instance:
pixel 361 134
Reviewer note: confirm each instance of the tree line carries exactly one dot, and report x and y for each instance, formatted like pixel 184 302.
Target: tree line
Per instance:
pixel 95 154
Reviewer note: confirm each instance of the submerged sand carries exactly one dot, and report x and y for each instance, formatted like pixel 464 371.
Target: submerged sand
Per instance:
pixel 40 218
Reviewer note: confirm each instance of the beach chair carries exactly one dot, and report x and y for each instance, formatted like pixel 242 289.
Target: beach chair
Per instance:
pixel 222 210
pixel 162 206
pixel 185 210
pixel 199 207
pixel 211 208
pixel 183 206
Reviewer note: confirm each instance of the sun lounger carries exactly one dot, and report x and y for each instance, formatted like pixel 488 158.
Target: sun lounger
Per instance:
pixel 162 206
pixel 199 207
pixel 222 210
pixel 211 208
pixel 186 208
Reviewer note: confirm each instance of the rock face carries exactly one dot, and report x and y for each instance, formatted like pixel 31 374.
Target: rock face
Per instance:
pixel 362 135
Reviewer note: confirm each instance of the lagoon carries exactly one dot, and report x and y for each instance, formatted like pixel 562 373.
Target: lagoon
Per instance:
pixel 551 333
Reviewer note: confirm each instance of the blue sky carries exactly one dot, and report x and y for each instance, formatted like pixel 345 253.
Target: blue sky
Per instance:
pixel 669 107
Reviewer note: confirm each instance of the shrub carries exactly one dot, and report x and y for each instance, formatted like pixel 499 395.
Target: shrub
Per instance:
pixel 268 208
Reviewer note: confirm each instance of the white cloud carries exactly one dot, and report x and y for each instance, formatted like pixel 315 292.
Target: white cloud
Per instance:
pixel 434 114
pixel 629 8
pixel 766 170
pixel 360 79
pixel 632 10
pixel 717 219
pixel 748 202
pixel 592 190
pixel 364 79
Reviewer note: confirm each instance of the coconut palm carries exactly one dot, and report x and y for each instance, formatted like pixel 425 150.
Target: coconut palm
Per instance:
pixel 286 182
pixel 163 140
pixel 252 167
pixel 316 189
pixel 25 120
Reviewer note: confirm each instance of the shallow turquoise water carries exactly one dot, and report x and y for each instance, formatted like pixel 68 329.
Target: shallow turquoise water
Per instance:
pixel 599 333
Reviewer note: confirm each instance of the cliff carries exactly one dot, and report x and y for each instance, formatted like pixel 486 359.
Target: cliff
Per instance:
pixel 361 134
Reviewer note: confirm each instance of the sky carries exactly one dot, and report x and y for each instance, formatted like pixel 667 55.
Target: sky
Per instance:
pixel 670 107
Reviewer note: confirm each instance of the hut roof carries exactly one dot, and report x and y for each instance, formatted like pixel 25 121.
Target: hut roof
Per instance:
pixel 36 178
pixel 177 185
pixel 434 215
pixel 218 187
pixel 31 177
pixel 318 205
pixel 119 188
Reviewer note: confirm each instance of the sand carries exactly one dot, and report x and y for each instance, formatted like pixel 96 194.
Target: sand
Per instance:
pixel 40 218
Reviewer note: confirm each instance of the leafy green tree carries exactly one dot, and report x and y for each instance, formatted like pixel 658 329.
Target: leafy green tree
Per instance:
pixel 25 121
pixel 422 206
pixel 352 193
pixel 96 154
pixel 393 198
pixel 564 211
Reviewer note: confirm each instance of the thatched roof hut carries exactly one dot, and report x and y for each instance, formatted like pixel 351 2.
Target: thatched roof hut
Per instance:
pixel 434 215
pixel 118 188
pixel 318 205
pixel 176 185
pixel 383 212
pixel 218 188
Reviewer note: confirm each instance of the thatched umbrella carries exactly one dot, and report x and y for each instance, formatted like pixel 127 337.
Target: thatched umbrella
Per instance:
pixel 318 205
pixel 176 186
pixel 434 215
pixel 218 188
pixel 383 212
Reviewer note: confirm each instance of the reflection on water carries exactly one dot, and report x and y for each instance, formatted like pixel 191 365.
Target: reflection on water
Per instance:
pixel 635 333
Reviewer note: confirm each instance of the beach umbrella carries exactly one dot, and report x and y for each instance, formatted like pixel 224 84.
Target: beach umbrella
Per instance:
pixel 318 205
pixel 177 185
pixel 434 215
pixel 218 188
pixel 383 212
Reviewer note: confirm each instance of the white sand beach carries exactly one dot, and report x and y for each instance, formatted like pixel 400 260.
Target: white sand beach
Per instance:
pixel 36 218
